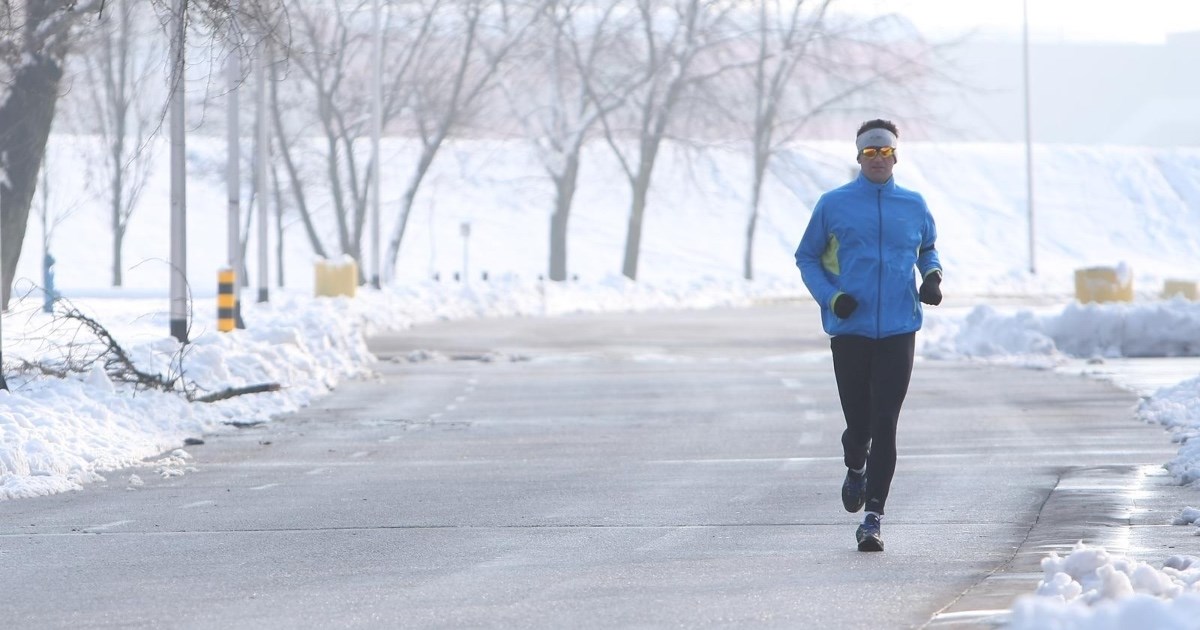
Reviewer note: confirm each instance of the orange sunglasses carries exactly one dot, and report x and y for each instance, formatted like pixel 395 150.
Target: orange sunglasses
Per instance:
pixel 871 152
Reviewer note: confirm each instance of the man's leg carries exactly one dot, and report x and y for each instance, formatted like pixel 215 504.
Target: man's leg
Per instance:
pixel 890 374
pixel 852 370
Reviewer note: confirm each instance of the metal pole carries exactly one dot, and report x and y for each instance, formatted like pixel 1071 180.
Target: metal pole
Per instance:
pixel 376 132
pixel 1028 140
pixel 465 230
pixel 179 323
pixel 3 382
pixel 260 169
pixel 233 168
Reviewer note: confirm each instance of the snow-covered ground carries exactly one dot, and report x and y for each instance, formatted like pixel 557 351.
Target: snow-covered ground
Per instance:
pixel 1140 207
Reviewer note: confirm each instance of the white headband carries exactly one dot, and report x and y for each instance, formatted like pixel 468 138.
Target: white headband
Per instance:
pixel 877 137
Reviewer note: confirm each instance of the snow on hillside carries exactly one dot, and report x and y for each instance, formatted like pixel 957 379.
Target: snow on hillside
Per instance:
pixel 1092 207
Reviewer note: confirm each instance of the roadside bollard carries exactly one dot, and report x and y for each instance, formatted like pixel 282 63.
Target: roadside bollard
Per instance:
pixel 226 300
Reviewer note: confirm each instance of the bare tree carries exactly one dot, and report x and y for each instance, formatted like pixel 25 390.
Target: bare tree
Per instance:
pixel 329 90
pixel 328 53
pixel 120 67
pixel 808 67
pixel 784 32
pixel 52 211
pixel 36 36
pixel 674 34
pixel 295 177
pixel 451 72
pixel 558 103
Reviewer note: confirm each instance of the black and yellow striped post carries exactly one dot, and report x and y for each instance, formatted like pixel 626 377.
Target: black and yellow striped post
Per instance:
pixel 226 300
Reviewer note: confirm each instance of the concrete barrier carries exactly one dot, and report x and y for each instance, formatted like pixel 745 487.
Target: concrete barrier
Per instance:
pixel 334 279
pixel 1189 289
pixel 1104 284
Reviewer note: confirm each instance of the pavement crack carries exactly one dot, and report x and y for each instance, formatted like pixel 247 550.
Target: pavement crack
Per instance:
pixel 1007 562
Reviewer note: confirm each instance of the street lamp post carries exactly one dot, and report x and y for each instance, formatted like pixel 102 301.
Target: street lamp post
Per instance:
pixel 465 231
pixel 376 131
pixel 3 383
pixel 262 152
pixel 233 176
pixel 179 314
pixel 1028 138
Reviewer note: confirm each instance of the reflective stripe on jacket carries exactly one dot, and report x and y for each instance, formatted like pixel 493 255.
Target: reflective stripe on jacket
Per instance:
pixel 865 239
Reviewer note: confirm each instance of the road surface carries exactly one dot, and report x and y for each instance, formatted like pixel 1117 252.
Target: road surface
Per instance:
pixel 654 470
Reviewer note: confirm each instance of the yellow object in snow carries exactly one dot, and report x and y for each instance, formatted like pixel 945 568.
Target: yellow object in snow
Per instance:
pixel 1104 284
pixel 1188 289
pixel 334 279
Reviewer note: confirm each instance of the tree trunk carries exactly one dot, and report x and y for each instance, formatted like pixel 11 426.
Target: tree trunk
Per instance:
pixel 748 262
pixel 640 187
pixel 25 118
pixel 406 204
pixel 633 233
pixel 294 177
pixel 564 189
pixel 761 155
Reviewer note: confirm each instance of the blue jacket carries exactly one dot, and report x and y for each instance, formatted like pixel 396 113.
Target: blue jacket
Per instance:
pixel 865 239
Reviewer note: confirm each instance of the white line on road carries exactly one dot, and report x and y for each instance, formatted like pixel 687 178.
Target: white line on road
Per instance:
pixel 1116 453
pixel 111 525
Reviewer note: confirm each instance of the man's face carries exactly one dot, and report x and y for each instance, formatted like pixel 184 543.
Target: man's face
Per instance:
pixel 875 166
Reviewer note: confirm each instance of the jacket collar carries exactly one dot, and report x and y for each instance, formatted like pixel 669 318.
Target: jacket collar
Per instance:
pixel 863 182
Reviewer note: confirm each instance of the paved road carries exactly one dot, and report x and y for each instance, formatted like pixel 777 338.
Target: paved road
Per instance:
pixel 651 470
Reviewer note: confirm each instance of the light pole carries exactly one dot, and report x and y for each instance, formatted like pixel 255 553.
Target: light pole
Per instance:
pixel 376 131
pixel 179 323
pixel 3 177
pixel 262 151
pixel 1028 137
pixel 465 231
pixel 233 176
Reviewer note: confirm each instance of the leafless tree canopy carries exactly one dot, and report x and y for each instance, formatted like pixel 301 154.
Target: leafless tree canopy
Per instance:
pixel 629 74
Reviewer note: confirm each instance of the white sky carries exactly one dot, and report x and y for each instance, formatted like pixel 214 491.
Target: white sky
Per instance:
pixel 1144 21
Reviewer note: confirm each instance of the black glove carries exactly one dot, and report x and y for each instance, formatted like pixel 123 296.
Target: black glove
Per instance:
pixel 844 305
pixel 931 289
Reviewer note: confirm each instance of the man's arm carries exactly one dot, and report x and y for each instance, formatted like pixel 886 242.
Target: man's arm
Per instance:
pixel 927 259
pixel 930 265
pixel 814 255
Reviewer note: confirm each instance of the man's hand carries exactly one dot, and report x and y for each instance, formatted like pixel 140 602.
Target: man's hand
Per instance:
pixel 844 305
pixel 931 289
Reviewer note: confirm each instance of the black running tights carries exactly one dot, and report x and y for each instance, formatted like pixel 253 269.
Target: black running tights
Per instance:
pixel 872 378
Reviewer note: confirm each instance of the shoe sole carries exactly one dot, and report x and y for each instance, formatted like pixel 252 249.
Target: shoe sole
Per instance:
pixel 853 507
pixel 870 543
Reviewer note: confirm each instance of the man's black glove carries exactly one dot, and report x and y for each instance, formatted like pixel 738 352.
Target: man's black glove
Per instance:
pixel 844 305
pixel 931 289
